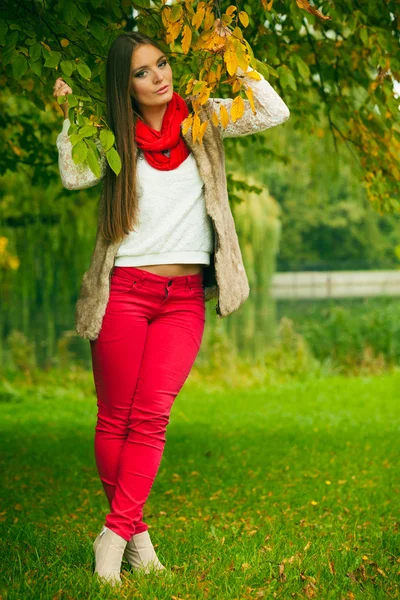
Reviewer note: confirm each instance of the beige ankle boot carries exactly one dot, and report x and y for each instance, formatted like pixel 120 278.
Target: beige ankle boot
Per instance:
pixel 109 548
pixel 140 553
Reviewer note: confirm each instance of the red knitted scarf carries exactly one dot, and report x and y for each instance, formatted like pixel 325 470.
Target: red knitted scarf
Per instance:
pixel 153 142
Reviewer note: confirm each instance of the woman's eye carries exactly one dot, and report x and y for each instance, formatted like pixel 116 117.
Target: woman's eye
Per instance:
pixel 164 62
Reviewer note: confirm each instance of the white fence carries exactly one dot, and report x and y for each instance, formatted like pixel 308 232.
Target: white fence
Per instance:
pixel 335 284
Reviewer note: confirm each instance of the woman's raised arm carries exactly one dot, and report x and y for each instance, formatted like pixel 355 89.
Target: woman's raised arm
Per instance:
pixel 271 109
pixel 73 176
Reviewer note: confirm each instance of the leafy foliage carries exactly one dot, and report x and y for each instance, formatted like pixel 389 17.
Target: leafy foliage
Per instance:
pixel 341 59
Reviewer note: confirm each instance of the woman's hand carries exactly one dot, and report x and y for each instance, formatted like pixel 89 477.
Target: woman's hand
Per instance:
pixel 60 88
pixel 221 29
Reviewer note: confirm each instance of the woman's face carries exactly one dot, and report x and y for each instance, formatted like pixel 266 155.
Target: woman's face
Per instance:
pixel 150 71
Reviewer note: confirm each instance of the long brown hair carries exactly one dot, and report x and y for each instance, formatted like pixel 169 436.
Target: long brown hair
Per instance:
pixel 119 194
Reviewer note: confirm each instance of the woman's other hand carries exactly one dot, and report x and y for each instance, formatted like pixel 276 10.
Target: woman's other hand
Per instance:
pixel 60 88
pixel 222 30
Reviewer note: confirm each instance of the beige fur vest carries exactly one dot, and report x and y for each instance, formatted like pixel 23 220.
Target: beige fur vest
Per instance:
pixel 225 278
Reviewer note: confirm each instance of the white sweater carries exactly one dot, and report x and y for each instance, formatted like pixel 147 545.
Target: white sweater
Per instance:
pixel 173 226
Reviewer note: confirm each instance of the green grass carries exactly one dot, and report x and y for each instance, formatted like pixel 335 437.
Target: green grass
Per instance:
pixel 285 492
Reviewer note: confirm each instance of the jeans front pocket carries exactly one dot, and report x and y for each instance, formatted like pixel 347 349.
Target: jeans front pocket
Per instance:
pixel 121 282
pixel 197 290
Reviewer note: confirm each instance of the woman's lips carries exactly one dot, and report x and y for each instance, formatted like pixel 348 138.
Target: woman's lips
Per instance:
pixel 163 90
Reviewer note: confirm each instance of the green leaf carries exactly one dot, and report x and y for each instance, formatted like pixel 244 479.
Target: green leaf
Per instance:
pixel 20 66
pixel 176 12
pixel 75 138
pixel 52 59
pixel 67 67
pixel 93 162
pixel 302 66
pixel 94 147
pixel 68 12
pixel 286 77
pixel 9 58
pixel 364 36
pixel 87 131
pixel 72 100
pixel 38 102
pixel 107 139
pixel 12 40
pixel 79 151
pixel 62 99
pixel 114 160
pixel 82 16
pixel 3 33
pixel 84 70
pixel 115 5
pixel 36 68
pixel 262 68
pixel 97 30
pixel 35 51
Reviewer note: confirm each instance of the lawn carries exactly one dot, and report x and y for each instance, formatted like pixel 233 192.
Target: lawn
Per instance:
pixel 285 492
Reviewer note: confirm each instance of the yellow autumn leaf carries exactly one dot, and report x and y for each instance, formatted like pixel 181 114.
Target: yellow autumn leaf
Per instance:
pixel 236 86
pixel 311 9
pixel 210 40
pixel 165 16
pixel 199 15
pixel 230 10
pixel 3 243
pixel 188 7
pixel 186 39
pixel 253 75
pixel 176 13
pixel 211 77
pixel 244 18
pixel 209 18
pixel 13 262
pixel 202 131
pixel 230 59
pixel 223 113
pixel 173 31
pixel 187 123
pixel 214 118
pixel 237 108
pixel 204 95
pixel 249 94
pixel 196 127
pixel 64 42
pixel 189 86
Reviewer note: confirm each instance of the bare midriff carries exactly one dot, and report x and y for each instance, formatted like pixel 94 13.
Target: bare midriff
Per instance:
pixel 173 270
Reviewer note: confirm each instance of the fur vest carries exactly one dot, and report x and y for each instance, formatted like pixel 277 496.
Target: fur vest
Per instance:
pixel 224 279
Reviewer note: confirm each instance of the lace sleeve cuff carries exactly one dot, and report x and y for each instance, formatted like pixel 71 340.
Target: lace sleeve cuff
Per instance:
pixel 271 110
pixel 73 176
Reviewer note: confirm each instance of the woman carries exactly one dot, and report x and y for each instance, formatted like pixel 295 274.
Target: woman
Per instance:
pixel 165 244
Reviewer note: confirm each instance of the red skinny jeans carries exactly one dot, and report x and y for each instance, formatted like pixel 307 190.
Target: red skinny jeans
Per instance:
pixel 150 336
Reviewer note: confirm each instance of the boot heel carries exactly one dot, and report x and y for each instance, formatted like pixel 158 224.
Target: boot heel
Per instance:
pixel 141 555
pixel 108 548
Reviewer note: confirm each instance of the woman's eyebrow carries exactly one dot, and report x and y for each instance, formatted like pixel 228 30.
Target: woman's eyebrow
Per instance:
pixel 145 66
